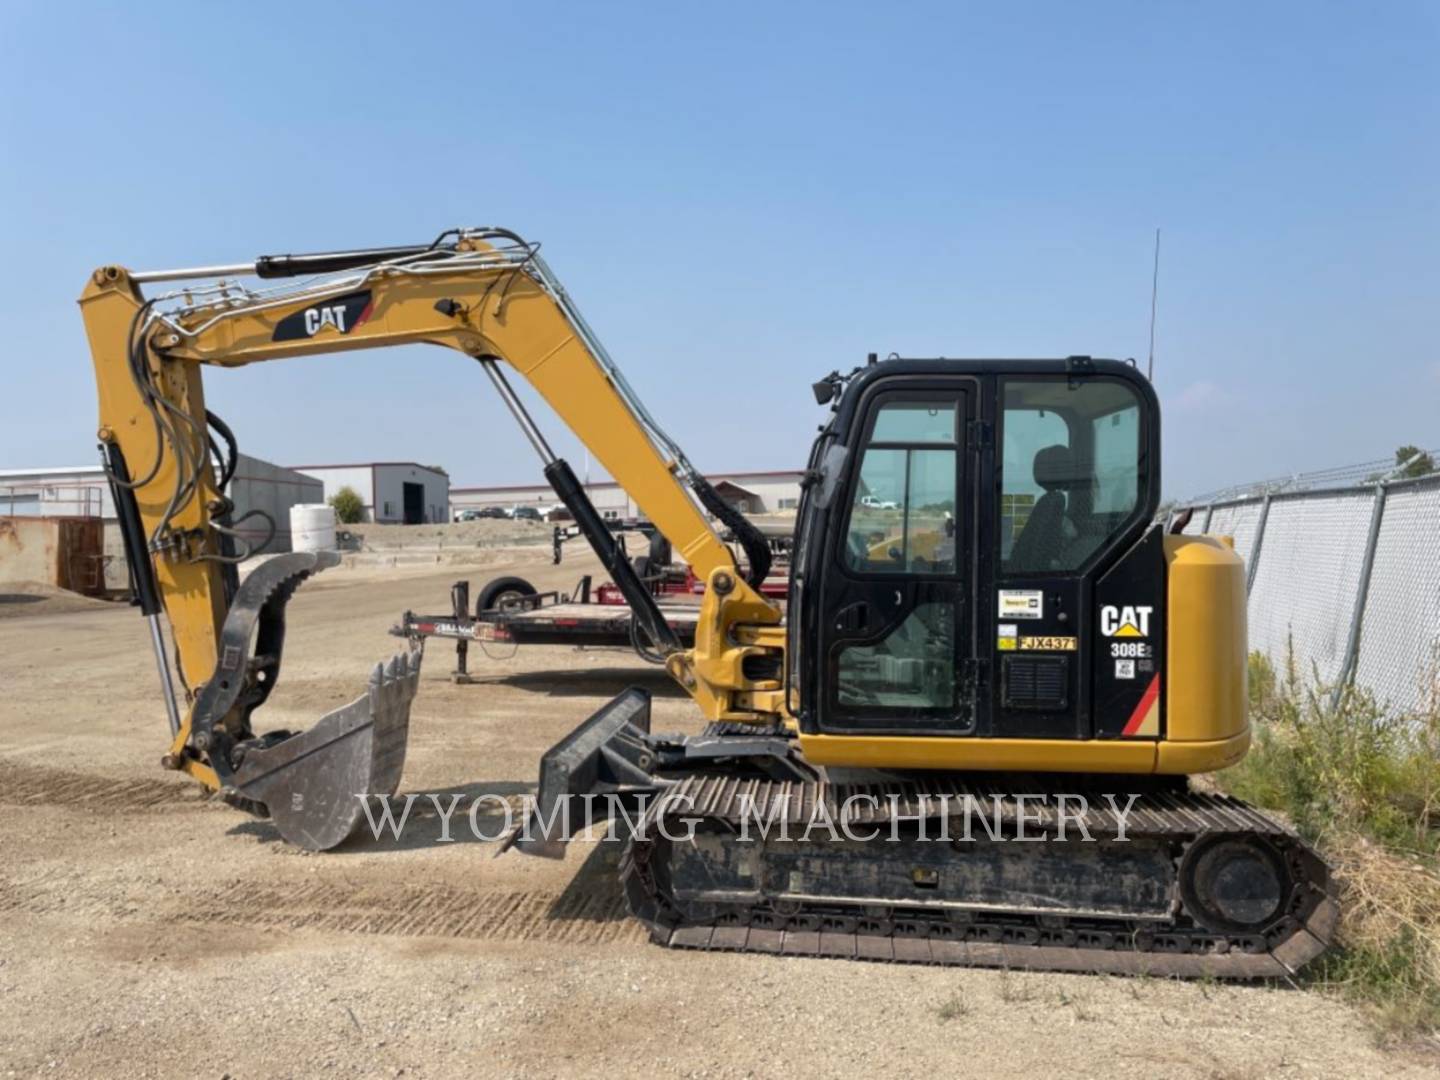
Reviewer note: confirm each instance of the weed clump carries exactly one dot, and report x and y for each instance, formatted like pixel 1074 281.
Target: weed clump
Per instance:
pixel 1362 783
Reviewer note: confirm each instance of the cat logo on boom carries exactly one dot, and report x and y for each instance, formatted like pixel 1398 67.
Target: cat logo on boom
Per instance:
pixel 338 315
pixel 1128 621
pixel 315 318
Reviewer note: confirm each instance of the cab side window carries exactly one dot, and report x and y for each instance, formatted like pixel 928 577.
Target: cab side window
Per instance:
pixel 902 512
pixel 1072 471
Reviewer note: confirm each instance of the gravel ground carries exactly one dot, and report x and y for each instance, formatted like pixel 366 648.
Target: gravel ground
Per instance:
pixel 148 932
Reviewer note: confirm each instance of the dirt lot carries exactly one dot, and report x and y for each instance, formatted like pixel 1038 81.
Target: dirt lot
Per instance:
pixel 149 933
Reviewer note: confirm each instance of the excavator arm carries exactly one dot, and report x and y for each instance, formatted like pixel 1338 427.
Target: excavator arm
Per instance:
pixel 485 293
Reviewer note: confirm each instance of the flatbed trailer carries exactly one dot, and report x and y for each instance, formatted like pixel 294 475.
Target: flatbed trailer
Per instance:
pixel 666 578
pixel 591 617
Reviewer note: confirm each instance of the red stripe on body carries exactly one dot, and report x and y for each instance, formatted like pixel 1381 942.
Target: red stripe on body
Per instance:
pixel 1143 709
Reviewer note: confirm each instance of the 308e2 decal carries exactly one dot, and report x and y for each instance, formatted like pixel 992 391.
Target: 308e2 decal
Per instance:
pixel 1128 626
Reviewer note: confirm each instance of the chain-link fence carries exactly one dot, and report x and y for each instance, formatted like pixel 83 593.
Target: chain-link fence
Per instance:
pixel 1344 580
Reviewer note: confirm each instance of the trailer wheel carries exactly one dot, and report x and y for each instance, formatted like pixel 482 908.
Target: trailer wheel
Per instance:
pixel 502 590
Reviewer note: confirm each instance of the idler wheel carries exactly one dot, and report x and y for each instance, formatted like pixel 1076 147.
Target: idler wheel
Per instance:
pixel 1234 885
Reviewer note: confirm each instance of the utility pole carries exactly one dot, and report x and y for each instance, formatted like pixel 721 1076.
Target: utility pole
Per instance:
pixel 1154 296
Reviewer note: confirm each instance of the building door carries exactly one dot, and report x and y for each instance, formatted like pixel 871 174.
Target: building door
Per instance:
pixel 414 503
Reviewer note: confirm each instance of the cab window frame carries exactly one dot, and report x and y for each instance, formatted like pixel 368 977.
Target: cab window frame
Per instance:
pixel 1130 528
pixel 953 399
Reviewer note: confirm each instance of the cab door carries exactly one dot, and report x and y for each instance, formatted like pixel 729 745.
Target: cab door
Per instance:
pixel 1076 455
pixel 897 583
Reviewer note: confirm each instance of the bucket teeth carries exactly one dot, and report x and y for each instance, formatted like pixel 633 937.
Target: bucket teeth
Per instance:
pixel 314 783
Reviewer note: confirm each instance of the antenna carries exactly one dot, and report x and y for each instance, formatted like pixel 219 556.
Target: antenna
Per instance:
pixel 1154 296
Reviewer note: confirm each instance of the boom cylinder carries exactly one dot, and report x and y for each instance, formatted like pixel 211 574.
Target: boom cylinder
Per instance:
pixel 643 609
pixel 142 572
pixel 612 555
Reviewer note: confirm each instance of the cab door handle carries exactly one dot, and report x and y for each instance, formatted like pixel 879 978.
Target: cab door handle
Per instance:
pixel 854 617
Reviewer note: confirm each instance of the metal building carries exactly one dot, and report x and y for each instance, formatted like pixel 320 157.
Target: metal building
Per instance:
pixel 394 492
pixel 81 491
pixel 770 492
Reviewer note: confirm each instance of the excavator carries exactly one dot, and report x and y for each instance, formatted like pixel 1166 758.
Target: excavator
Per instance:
pixel 966 738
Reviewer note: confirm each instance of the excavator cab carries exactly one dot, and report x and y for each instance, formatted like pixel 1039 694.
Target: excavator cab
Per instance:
pixel 968 523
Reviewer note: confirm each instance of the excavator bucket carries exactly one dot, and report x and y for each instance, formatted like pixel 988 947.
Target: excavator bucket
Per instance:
pixel 314 783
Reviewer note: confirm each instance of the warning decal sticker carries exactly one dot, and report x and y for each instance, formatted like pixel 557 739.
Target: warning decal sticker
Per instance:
pixel 1022 604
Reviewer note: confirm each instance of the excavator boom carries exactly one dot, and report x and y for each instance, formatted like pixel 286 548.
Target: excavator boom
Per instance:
pixel 485 293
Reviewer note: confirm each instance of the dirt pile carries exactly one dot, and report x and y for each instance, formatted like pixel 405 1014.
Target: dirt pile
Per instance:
pixel 20 598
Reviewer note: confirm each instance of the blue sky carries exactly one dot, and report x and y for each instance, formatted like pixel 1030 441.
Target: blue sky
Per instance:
pixel 742 197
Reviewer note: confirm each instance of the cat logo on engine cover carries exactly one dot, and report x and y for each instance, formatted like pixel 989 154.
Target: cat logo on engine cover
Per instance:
pixel 1128 621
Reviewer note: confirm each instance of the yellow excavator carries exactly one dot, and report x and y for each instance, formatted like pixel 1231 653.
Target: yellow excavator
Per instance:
pixel 966 737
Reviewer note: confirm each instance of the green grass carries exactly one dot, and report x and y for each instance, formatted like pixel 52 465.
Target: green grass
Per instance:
pixel 952 1008
pixel 1355 767
pixel 1362 783
pixel 1388 978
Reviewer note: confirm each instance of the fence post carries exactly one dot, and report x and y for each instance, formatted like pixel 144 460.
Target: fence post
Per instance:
pixel 1362 595
pixel 1255 549
pixel 1209 513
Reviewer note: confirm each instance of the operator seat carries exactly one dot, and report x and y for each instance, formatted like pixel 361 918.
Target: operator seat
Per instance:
pixel 1043 538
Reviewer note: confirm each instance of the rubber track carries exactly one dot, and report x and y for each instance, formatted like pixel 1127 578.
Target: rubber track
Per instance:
pixel 1183 951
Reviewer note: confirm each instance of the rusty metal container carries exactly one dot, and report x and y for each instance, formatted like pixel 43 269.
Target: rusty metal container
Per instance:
pixel 68 552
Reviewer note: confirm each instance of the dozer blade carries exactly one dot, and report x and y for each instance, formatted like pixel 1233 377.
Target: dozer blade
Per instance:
pixel 314 783
pixel 612 762
pixel 604 755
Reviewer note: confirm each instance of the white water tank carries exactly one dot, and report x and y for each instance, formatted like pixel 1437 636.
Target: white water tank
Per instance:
pixel 312 527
